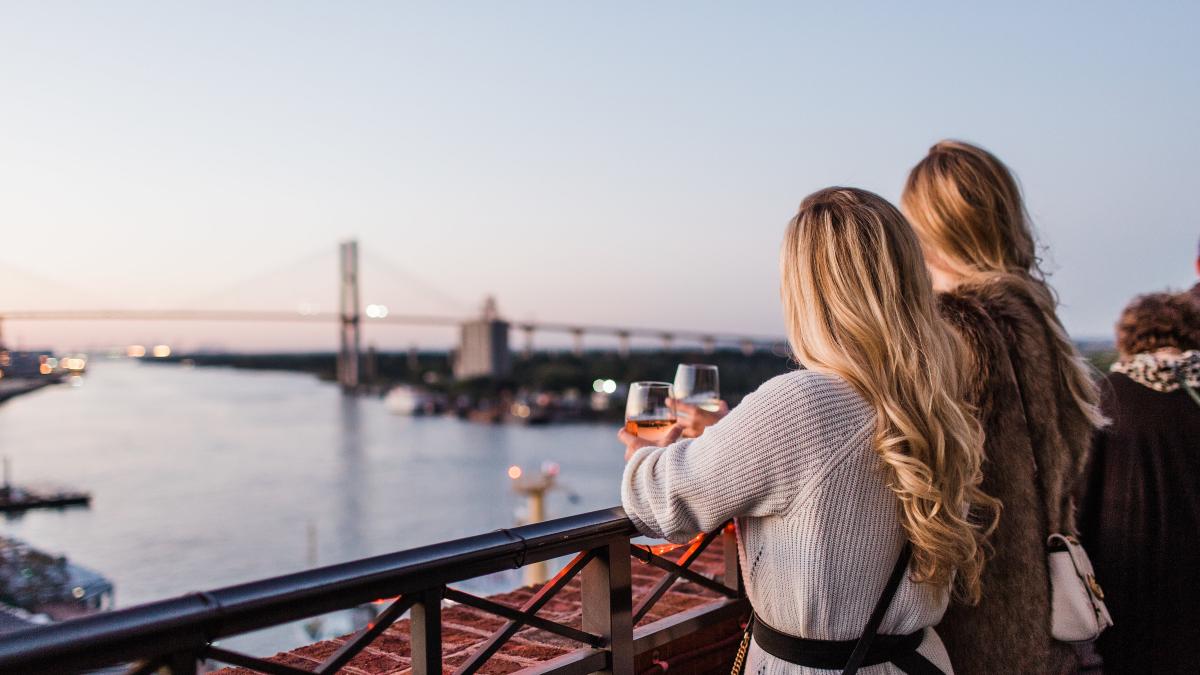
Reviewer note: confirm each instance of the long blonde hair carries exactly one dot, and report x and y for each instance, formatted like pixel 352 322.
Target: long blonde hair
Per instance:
pixel 859 304
pixel 967 210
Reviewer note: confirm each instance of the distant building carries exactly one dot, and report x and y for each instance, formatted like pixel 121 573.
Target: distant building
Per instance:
pixel 483 348
pixel 24 364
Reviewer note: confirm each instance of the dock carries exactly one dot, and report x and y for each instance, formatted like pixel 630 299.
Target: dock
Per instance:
pixel 22 499
pixel 10 388
pixel 16 498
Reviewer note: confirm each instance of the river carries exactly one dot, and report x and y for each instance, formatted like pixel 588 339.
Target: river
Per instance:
pixel 204 477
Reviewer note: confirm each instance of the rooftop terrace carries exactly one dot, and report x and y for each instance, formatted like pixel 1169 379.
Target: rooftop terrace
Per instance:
pixel 615 607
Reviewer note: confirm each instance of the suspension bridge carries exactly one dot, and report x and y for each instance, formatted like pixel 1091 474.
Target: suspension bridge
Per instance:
pixel 351 315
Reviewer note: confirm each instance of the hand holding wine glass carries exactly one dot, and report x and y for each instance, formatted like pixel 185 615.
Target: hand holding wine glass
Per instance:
pixel 698 401
pixel 649 417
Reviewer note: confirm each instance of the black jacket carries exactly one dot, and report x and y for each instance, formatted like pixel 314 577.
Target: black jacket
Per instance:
pixel 1140 523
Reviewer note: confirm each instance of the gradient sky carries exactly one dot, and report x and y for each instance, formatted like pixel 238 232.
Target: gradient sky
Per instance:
pixel 622 163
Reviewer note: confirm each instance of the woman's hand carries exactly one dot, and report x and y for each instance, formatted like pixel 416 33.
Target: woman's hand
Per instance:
pixel 694 419
pixel 633 442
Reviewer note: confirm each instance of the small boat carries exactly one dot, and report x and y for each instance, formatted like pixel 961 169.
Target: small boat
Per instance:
pixel 44 584
pixel 405 400
pixel 16 498
pixel 13 498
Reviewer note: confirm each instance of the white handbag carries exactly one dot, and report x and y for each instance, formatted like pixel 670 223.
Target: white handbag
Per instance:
pixel 1077 611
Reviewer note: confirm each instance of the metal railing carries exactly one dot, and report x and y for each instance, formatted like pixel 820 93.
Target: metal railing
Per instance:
pixel 177 634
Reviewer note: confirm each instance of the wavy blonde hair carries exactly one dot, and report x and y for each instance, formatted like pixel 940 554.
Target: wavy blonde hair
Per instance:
pixel 859 304
pixel 966 208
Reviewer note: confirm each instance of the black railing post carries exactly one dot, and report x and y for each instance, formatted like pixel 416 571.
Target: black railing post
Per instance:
pixel 426 622
pixel 733 571
pixel 607 597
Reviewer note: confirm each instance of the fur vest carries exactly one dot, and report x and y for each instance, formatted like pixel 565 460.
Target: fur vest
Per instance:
pixel 1036 445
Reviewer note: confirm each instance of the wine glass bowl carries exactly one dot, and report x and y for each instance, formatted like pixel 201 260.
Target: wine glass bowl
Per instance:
pixel 648 412
pixel 698 384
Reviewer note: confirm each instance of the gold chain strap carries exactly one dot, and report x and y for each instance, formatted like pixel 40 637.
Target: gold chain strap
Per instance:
pixel 741 653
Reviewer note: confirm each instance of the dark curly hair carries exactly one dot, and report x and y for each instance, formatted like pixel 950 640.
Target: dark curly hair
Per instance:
pixel 1157 321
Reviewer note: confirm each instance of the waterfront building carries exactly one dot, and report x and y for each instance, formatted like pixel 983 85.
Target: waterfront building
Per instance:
pixel 483 347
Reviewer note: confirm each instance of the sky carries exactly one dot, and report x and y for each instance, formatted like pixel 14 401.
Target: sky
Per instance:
pixel 608 163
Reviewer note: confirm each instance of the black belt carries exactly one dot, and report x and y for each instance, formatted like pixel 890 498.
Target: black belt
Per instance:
pixel 900 650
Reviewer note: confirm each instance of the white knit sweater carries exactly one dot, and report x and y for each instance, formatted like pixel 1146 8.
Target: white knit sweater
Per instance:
pixel 818 532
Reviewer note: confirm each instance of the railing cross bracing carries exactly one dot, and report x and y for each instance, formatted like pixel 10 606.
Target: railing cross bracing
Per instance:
pixel 178 633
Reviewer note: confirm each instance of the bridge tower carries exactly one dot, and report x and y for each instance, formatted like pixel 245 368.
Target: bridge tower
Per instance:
pixel 348 353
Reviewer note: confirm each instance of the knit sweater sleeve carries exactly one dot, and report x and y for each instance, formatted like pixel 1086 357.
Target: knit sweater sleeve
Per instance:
pixel 752 463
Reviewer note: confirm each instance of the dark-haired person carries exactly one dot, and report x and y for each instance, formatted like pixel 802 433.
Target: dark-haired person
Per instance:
pixel 1140 504
pixel 1034 393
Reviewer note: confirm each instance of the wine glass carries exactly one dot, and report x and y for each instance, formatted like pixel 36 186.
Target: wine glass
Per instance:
pixel 697 384
pixel 647 412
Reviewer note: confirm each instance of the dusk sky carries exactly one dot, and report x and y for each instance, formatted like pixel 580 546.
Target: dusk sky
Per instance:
pixel 616 163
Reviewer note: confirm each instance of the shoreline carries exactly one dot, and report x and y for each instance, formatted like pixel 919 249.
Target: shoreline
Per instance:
pixel 18 386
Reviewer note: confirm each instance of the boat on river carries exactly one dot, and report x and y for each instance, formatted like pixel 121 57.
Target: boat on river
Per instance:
pixel 406 400
pixel 49 585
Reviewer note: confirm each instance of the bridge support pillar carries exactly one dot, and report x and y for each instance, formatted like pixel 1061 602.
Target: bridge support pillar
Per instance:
pixel 623 344
pixel 747 348
pixel 348 352
pixel 577 344
pixel 710 344
pixel 527 350
pixel 668 341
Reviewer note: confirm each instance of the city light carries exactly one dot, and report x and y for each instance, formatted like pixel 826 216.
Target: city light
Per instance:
pixel 610 386
pixel 135 351
pixel 514 472
pixel 377 311
pixel 161 351
pixel 598 386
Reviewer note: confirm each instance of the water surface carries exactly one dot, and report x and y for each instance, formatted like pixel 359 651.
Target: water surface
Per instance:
pixel 206 477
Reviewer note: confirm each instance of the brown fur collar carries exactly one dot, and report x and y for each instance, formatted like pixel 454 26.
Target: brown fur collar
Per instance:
pixel 1002 323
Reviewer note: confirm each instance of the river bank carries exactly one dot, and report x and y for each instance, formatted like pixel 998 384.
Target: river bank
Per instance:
pixel 552 386
pixel 13 387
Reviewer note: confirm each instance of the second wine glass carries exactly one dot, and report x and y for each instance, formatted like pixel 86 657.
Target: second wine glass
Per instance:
pixel 697 384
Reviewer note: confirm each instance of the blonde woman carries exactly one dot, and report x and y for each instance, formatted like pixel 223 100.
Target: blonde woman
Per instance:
pixel 1037 400
pixel 833 472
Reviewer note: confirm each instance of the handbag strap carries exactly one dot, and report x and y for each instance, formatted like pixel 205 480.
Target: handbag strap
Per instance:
pixel 885 600
pixel 739 661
